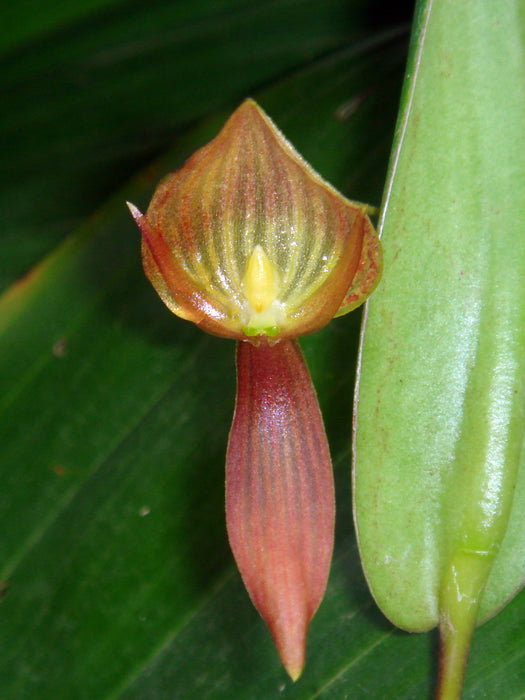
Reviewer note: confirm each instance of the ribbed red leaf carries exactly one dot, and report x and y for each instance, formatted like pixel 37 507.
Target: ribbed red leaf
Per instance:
pixel 279 492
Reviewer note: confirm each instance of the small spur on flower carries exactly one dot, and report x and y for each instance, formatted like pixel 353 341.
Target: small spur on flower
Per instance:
pixel 249 242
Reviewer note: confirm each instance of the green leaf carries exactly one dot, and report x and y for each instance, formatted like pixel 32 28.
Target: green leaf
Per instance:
pixel 439 453
pixel 115 418
pixel 89 90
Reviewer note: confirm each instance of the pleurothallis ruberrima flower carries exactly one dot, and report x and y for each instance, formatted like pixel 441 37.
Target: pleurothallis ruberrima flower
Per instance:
pixel 249 242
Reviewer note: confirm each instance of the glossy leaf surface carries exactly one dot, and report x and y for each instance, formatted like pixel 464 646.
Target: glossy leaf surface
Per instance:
pixel 115 426
pixel 439 445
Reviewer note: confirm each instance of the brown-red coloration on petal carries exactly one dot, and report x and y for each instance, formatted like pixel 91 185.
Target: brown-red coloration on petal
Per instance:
pixel 279 492
pixel 248 192
pixel 368 272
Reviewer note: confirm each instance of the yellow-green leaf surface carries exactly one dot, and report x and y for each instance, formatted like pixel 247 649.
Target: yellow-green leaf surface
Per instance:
pixel 439 462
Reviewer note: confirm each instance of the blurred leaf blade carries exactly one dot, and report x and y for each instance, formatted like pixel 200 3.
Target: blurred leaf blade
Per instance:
pixel 24 20
pixel 85 103
pixel 118 487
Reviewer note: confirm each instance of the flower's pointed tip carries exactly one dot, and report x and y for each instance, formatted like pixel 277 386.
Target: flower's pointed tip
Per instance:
pixel 294 671
pixel 293 660
pixel 250 103
pixel 135 211
pixel 291 645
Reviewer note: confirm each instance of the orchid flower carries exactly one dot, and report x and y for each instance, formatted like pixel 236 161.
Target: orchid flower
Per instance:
pixel 249 242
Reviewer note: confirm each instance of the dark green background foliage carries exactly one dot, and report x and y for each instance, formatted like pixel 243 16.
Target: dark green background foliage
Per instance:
pixel 116 576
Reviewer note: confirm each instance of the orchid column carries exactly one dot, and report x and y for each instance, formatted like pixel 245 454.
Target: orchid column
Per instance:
pixel 249 242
